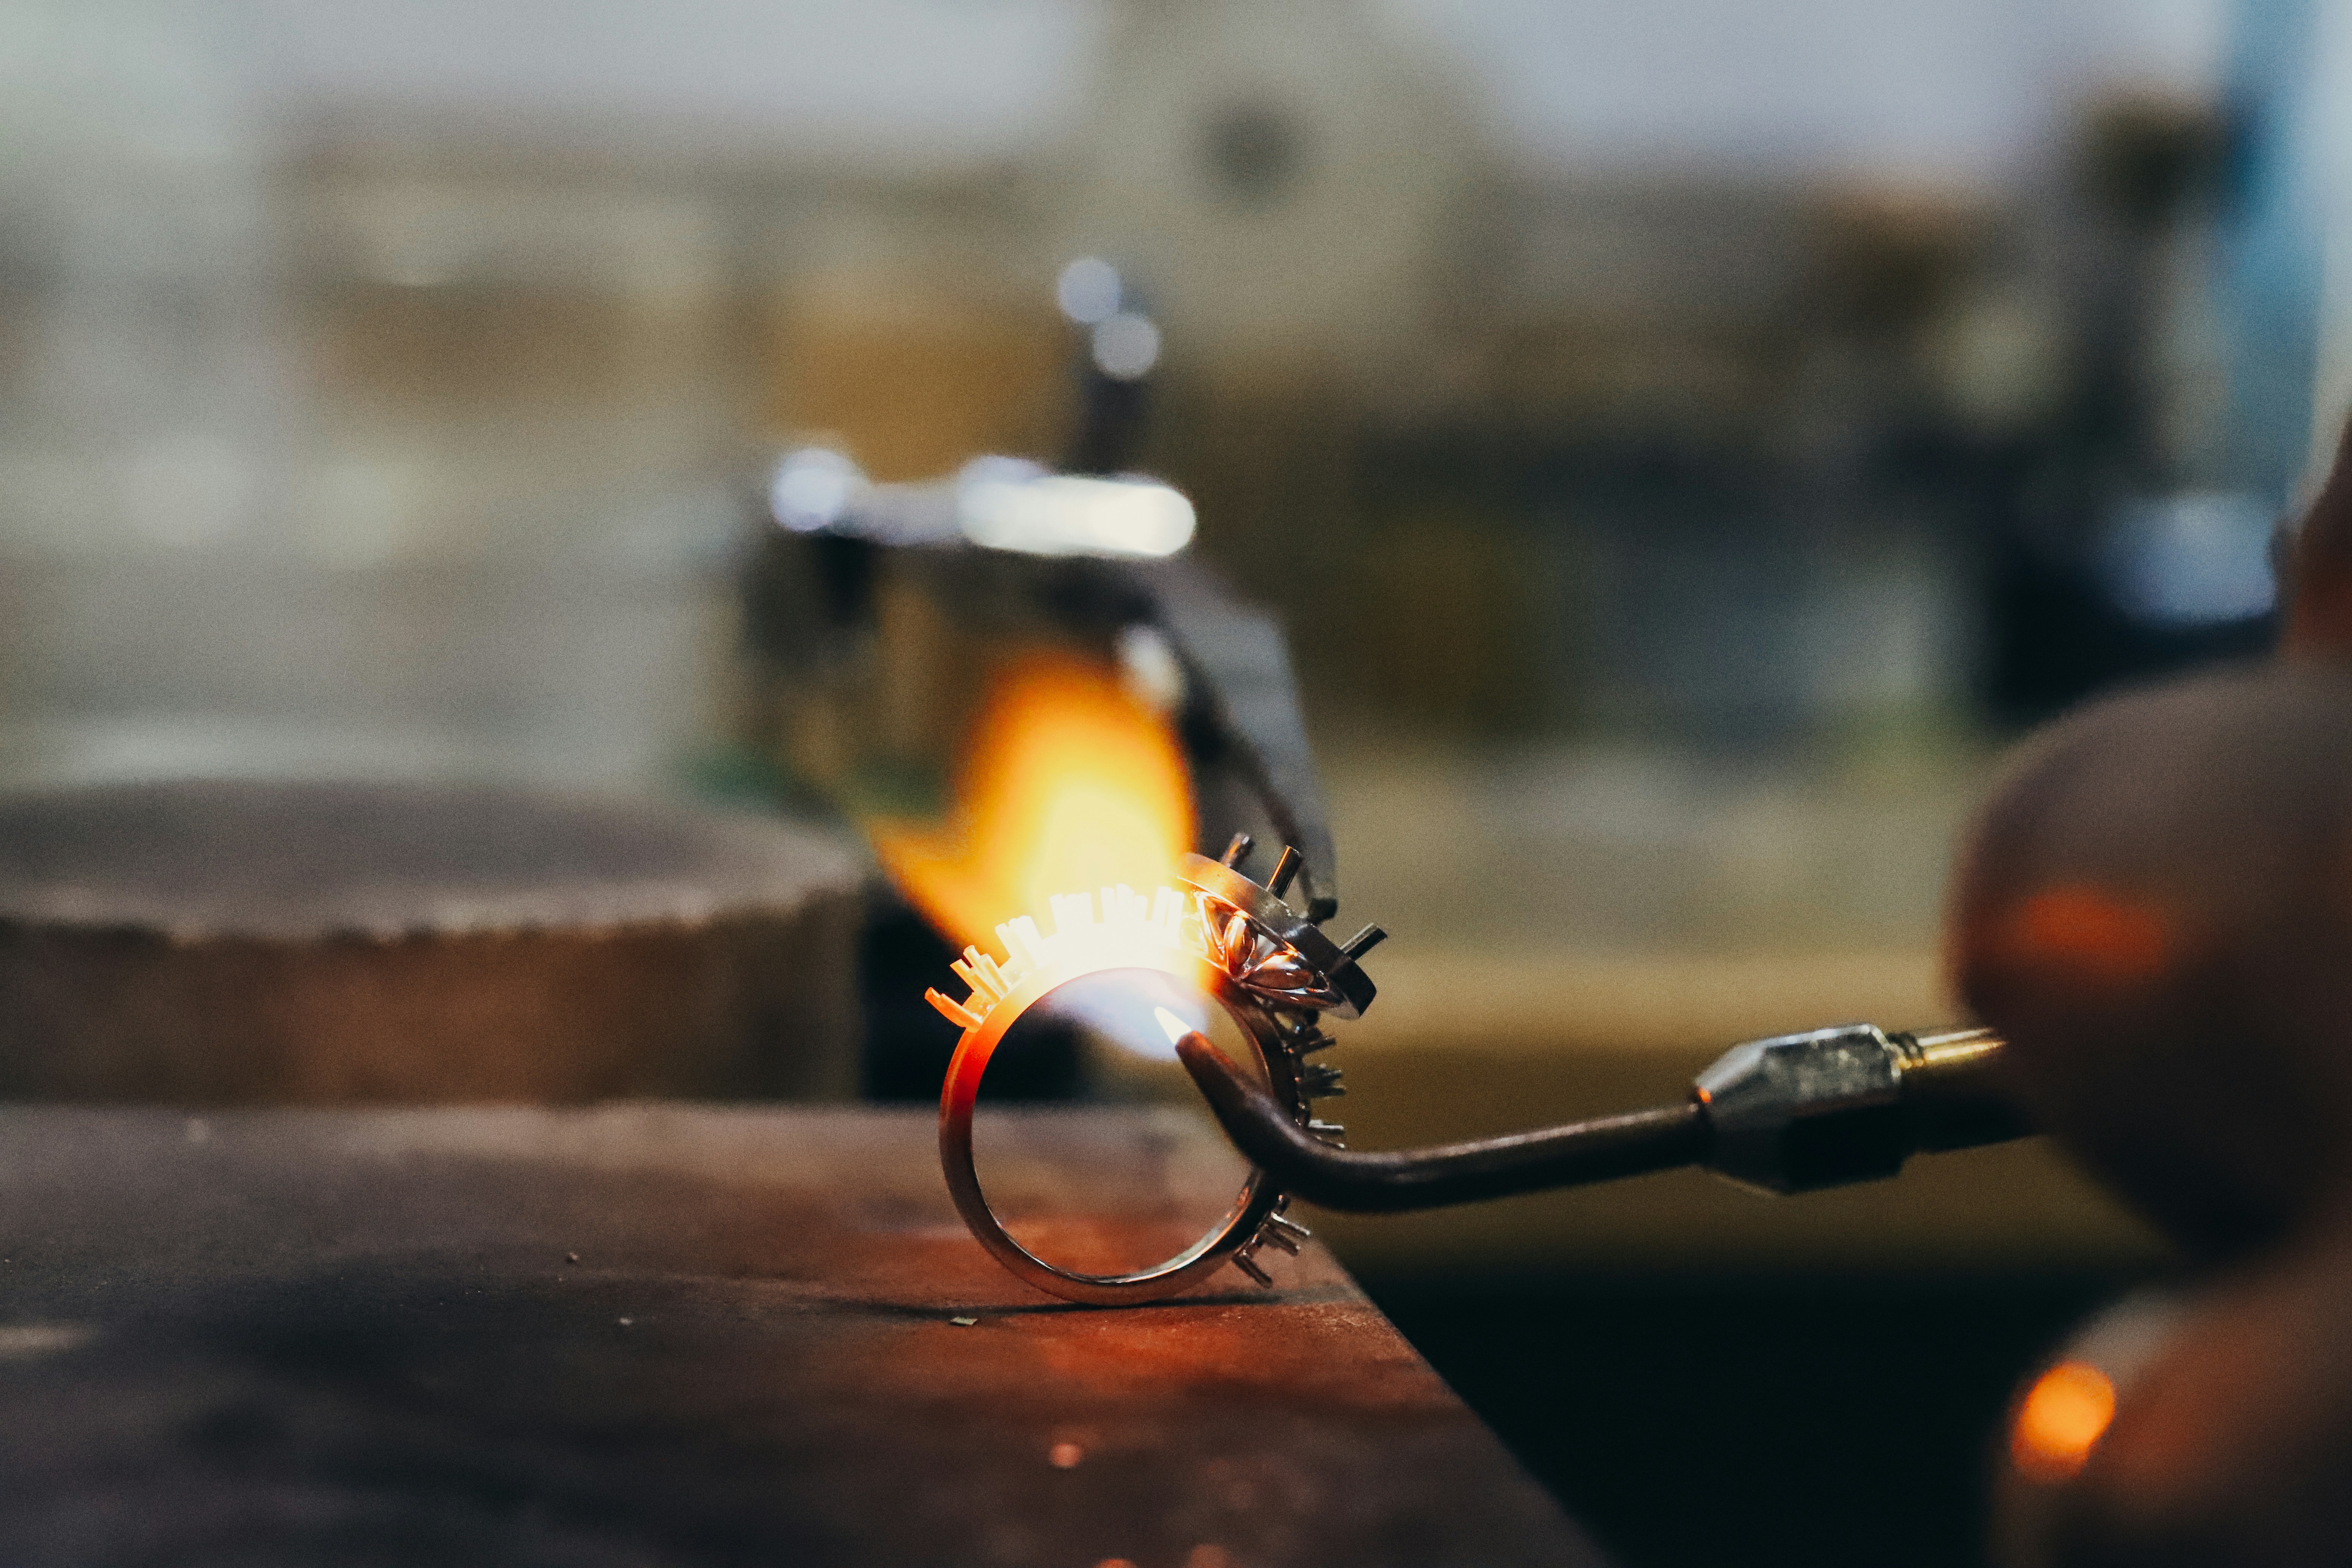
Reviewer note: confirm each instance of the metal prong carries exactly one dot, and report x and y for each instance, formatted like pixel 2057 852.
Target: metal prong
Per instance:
pixel 1270 1236
pixel 1285 870
pixel 960 1013
pixel 1247 1261
pixel 1311 1041
pixel 1317 1081
pixel 1238 850
pixel 1363 941
pixel 1332 1132
pixel 1284 1222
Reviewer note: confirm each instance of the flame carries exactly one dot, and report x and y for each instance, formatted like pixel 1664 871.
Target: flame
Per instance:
pixel 2062 1419
pixel 1066 782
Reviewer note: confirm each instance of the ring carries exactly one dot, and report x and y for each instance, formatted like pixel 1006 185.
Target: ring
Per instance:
pixel 1234 941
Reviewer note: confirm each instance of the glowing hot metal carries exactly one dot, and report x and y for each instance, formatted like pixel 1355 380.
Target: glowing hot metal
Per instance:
pixel 1226 937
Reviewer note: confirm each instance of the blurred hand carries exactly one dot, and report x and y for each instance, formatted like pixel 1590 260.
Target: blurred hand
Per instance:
pixel 2155 908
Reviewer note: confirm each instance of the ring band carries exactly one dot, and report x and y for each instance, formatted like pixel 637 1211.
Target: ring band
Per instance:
pixel 1273 974
pixel 1252 1206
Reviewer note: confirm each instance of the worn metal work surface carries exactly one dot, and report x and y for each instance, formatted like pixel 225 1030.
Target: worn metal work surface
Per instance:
pixel 668 1335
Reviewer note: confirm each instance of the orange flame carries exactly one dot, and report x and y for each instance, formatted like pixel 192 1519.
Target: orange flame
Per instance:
pixel 1067 783
pixel 2063 1418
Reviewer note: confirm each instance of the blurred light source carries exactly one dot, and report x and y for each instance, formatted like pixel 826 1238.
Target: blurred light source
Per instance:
pixel 1063 514
pixel 2192 560
pixel 1088 290
pixel 1126 346
pixel 2062 1419
pixel 812 487
pixel 1149 667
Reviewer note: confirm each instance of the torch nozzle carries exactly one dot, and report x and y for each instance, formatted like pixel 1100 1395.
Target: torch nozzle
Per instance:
pixel 1787 1115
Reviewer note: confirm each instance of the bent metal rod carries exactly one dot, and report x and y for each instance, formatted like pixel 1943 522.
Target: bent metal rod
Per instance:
pixel 1787 1115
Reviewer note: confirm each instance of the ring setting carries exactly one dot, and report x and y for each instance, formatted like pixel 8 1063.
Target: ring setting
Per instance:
pixel 1272 970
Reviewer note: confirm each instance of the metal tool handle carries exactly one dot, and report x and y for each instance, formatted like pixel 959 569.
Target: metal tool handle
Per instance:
pixel 1787 1115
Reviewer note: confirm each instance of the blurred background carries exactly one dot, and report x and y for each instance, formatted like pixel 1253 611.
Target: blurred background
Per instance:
pixel 1684 441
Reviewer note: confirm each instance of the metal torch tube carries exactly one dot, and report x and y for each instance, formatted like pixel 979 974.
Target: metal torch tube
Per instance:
pixel 1574 1155
pixel 1791 1113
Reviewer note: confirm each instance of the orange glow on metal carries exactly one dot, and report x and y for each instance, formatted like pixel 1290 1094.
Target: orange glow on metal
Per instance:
pixel 2062 1419
pixel 1066 782
pixel 2090 933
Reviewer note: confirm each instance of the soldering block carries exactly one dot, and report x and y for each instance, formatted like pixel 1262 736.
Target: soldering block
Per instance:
pixel 241 943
